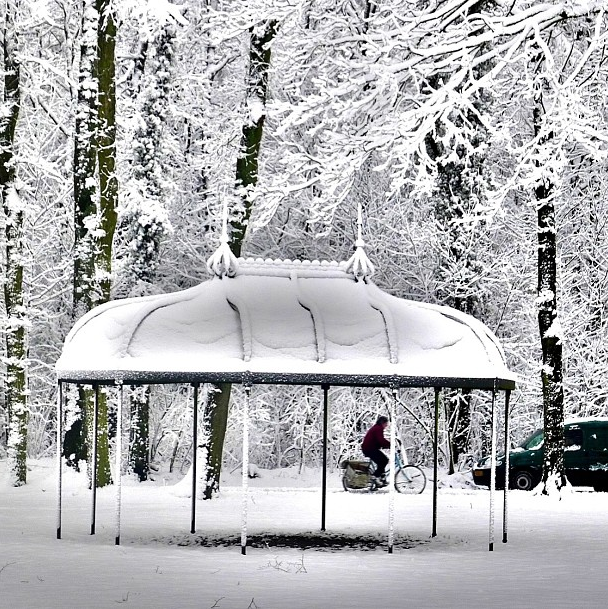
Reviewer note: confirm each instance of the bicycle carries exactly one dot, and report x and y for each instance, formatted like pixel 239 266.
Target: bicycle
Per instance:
pixel 409 479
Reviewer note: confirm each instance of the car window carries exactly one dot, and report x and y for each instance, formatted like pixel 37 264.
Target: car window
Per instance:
pixel 533 442
pixel 598 440
pixel 573 438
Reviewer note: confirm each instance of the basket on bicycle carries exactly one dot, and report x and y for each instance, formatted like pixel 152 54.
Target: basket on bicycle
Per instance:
pixel 356 473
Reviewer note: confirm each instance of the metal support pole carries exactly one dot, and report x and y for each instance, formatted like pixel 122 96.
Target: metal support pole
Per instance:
pixel 505 519
pixel 59 451
pixel 436 460
pixel 194 458
pixel 324 478
pixel 94 462
pixel 391 476
pixel 492 474
pixel 118 462
pixel 245 468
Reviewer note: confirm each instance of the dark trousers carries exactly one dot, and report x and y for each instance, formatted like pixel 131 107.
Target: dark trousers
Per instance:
pixel 379 458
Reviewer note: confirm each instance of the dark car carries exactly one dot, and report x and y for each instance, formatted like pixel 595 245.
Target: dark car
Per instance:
pixel 585 458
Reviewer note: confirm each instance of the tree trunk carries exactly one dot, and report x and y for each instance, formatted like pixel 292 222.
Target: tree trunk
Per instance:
pixel 215 423
pixel 95 192
pixel 85 166
pixel 139 441
pixel 106 147
pixel 460 186
pixel 85 211
pixel 15 334
pixel 251 138
pixel 458 406
pixel 246 178
pixel 108 199
pixel 145 221
pixel 550 331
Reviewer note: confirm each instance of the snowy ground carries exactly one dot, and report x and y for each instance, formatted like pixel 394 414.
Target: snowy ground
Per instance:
pixel 556 555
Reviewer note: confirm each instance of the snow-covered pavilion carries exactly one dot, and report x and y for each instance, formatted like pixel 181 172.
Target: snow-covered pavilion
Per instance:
pixel 286 322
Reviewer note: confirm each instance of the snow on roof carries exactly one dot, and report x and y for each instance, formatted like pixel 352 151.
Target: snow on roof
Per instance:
pixel 283 322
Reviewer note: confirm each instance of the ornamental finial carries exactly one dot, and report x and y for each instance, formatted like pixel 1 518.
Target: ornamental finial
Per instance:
pixel 223 263
pixel 359 264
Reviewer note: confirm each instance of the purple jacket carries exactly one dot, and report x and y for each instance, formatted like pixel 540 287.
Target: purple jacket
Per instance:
pixel 374 439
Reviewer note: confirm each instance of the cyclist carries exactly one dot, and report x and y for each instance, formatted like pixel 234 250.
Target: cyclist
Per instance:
pixel 373 441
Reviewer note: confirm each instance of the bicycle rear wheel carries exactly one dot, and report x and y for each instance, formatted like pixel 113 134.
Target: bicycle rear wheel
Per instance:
pixel 410 480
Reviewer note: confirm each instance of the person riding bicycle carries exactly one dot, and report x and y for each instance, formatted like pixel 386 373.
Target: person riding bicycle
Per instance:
pixel 373 441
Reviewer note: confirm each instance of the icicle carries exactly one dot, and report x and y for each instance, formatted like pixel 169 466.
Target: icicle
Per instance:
pixel 223 263
pixel 359 264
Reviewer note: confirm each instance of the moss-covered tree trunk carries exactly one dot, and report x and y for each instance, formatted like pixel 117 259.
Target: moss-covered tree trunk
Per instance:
pixel 16 315
pixel 261 36
pixel 95 197
pixel 253 129
pixel 108 194
pixel 106 146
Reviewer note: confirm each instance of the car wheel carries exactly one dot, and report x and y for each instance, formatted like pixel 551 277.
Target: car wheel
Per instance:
pixel 601 486
pixel 523 480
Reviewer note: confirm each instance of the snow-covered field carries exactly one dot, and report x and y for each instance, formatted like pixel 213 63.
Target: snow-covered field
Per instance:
pixel 556 555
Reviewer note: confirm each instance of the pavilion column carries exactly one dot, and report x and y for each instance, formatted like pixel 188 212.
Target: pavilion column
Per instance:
pixel 492 473
pixel 391 477
pixel 245 473
pixel 118 461
pixel 94 459
pixel 436 460
pixel 324 477
pixel 59 455
pixel 507 465
pixel 194 458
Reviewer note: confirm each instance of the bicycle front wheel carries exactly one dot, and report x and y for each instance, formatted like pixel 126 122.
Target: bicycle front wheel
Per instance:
pixel 410 480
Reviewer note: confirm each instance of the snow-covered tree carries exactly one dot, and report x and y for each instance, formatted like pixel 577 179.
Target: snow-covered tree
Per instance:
pixel 383 106
pixel 95 191
pixel 16 322
pixel 143 221
pixel 422 76
pixel 261 37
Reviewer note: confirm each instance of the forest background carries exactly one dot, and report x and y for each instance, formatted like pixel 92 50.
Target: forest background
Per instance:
pixel 472 135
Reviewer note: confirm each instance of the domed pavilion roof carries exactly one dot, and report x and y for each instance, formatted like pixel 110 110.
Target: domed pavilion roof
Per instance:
pixel 281 321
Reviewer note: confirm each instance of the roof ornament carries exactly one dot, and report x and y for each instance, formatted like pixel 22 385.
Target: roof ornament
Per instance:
pixel 359 263
pixel 223 263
